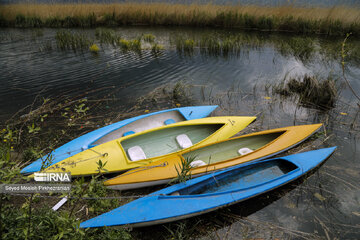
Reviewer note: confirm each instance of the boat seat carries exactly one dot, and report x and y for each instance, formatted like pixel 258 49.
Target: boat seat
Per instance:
pixel 136 153
pixel 244 151
pixel 184 141
pixel 128 133
pixel 169 121
pixel 197 163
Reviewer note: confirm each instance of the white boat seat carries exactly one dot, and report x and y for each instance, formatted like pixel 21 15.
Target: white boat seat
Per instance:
pixel 244 151
pixel 136 153
pixel 184 141
pixel 169 121
pixel 197 163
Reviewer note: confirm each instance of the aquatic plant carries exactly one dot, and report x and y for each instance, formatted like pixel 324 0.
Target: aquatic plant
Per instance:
pixel 105 35
pixel 124 44
pixel 156 49
pixel 66 39
pixel 188 45
pixel 180 93
pixel 135 45
pixel 343 56
pixel 210 45
pixel 148 38
pixel 312 92
pixel 300 47
pixel 94 48
pixel 184 45
pixel 214 45
pixel 130 45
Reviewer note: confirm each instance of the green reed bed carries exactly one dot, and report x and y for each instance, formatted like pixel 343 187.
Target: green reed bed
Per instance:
pixel 213 44
pixel 66 40
pixel 300 47
pixel 210 42
pixel 312 91
pixel 226 44
pixel 109 36
pixel 148 38
pixel 156 49
pixel 130 45
pixel 328 21
pixel 70 40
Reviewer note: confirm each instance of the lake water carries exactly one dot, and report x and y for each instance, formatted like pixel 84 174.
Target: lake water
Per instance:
pixel 327 203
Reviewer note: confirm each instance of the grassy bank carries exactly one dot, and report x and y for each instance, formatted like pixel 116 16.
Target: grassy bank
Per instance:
pixel 329 21
pixel 47 124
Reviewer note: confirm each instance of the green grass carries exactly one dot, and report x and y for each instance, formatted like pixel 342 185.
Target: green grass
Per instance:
pixel 66 40
pixel 105 35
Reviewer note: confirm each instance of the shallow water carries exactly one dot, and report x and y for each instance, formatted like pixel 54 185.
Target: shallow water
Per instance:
pixel 239 83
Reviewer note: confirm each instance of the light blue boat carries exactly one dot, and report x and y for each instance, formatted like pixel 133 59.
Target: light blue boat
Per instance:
pixel 117 130
pixel 212 191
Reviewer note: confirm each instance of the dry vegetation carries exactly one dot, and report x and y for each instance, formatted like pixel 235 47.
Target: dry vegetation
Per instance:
pixel 344 14
pixel 332 21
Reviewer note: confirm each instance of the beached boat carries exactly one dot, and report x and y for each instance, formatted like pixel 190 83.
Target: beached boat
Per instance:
pixel 149 146
pixel 212 191
pixel 117 130
pixel 216 156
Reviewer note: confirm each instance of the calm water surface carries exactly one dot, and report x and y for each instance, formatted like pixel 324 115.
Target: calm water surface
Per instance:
pixel 327 203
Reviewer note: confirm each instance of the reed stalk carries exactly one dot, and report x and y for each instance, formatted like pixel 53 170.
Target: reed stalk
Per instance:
pixel 331 21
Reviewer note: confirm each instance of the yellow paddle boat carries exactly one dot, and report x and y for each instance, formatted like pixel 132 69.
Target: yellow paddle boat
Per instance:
pixel 149 146
pixel 215 156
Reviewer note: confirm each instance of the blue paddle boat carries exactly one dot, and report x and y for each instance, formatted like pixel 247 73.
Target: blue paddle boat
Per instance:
pixel 117 130
pixel 212 191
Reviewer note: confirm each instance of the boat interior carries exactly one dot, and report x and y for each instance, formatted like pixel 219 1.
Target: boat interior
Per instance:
pixel 229 149
pixel 153 121
pixel 241 178
pixel 165 141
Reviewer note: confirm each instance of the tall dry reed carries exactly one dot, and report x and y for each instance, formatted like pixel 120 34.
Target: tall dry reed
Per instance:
pixel 332 21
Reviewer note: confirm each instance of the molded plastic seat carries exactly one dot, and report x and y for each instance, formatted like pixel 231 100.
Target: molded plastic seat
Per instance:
pixel 169 121
pixel 184 141
pixel 243 151
pixel 128 133
pixel 136 153
pixel 197 163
